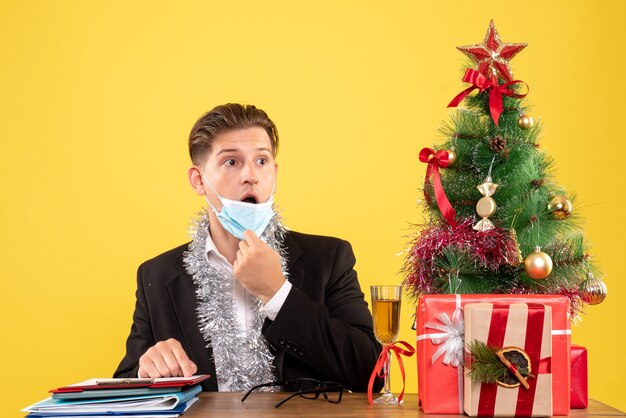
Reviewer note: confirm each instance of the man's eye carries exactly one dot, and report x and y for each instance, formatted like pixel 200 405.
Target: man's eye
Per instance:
pixel 262 161
pixel 230 162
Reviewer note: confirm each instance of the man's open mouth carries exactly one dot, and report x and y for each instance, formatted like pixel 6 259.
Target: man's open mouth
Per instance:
pixel 249 199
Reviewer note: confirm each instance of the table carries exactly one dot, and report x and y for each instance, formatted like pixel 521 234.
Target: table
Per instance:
pixel 261 404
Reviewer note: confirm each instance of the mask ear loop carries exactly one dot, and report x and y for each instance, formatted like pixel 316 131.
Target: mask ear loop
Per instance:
pixel 272 194
pixel 205 196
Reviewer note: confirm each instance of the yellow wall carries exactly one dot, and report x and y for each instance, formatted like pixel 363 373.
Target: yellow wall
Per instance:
pixel 97 98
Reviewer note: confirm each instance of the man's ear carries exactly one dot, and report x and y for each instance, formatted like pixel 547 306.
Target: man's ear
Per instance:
pixel 196 180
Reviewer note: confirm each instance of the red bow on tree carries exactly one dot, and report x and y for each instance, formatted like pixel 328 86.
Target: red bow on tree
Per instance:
pixel 479 81
pixel 434 161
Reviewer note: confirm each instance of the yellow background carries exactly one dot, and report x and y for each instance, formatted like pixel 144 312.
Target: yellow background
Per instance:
pixel 97 99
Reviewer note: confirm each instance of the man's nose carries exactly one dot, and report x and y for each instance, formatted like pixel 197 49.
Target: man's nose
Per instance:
pixel 249 175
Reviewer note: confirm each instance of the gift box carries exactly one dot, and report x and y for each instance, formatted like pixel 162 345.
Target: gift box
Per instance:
pixel 523 331
pixel 578 392
pixel 440 330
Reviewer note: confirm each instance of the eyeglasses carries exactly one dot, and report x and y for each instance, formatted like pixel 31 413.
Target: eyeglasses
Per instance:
pixel 306 388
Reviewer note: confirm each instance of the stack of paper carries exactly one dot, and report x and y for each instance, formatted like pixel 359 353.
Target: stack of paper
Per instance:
pixel 161 397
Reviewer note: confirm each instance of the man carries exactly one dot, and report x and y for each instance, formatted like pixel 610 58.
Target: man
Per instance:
pixel 247 301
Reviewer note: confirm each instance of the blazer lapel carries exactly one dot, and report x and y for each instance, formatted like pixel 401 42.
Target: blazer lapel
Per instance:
pixel 295 277
pixel 183 296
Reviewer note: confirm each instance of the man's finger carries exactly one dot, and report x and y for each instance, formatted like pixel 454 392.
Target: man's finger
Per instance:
pixel 243 244
pixel 172 363
pixel 250 236
pixel 147 369
pixel 159 363
pixel 187 366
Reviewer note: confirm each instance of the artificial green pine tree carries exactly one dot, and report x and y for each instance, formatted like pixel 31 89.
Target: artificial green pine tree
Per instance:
pixel 492 140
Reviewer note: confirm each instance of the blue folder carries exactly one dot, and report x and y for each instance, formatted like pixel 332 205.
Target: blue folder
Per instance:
pixel 175 412
pixel 137 405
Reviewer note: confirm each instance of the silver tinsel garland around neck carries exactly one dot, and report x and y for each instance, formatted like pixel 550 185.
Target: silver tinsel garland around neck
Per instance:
pixel 245 359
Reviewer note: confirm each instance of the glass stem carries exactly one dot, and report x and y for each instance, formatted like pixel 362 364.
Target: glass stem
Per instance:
pixel 387 387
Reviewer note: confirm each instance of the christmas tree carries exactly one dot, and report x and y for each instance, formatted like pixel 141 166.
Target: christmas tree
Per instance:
pixel 497 222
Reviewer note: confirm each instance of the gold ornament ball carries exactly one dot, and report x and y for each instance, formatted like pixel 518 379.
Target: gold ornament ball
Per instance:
pixel 486 207
pixel 451 157
pixel 560 207
pixel 525 122
pixel 592 291
pixel 538 265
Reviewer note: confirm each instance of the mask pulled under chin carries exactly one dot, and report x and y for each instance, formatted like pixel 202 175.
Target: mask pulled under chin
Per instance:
pixel 237 216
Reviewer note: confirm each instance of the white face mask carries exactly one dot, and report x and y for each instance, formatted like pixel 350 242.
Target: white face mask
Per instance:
pixel 237 216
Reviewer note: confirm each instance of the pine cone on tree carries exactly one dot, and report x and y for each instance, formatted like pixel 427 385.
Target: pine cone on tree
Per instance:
pixel 497 144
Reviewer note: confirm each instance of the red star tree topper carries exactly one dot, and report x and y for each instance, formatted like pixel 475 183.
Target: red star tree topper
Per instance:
pixel 493 55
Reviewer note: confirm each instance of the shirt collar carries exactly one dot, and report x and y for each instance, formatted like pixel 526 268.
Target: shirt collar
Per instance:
pixel 212 254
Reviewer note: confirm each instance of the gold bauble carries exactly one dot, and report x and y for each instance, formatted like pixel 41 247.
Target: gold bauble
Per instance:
pixel 538 265
pixel 525 122
pixel 486 207
pixel 560 207
pixel 451 157
pixel 592 291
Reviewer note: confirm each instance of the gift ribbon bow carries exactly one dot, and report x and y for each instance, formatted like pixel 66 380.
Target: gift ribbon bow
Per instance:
pixel 434 161
pixel 451 338
pixel 382 365
pixel 482 83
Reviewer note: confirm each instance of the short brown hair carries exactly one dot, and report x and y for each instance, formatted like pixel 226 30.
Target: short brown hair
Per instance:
pixel 224 118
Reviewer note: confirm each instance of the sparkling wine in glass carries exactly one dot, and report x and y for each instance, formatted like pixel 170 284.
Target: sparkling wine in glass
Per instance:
pixel 386 312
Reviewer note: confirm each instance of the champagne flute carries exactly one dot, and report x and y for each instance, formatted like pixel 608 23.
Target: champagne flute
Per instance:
pixel 386 312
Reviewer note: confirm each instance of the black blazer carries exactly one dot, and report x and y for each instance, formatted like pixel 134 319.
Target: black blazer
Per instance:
pixel 323 330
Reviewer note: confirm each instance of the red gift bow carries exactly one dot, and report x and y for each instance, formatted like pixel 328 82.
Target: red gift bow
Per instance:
pixel 380 369
pixel 434 161
pixel 479 81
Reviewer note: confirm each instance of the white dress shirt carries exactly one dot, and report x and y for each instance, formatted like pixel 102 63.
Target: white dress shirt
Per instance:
pixel 241 298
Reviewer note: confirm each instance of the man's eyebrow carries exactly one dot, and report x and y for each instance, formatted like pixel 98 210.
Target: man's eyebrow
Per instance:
pixel 222 151
pixel 235 150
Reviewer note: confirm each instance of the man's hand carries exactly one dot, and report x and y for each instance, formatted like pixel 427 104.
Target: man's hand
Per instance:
pixel 166 359
pixel 258 268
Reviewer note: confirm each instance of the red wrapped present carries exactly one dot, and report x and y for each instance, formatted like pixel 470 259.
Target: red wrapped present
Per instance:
pixel 440 330
pixel 579 393
pixel 524 333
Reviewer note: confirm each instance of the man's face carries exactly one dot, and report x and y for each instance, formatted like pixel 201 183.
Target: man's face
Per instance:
pixel 240 166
